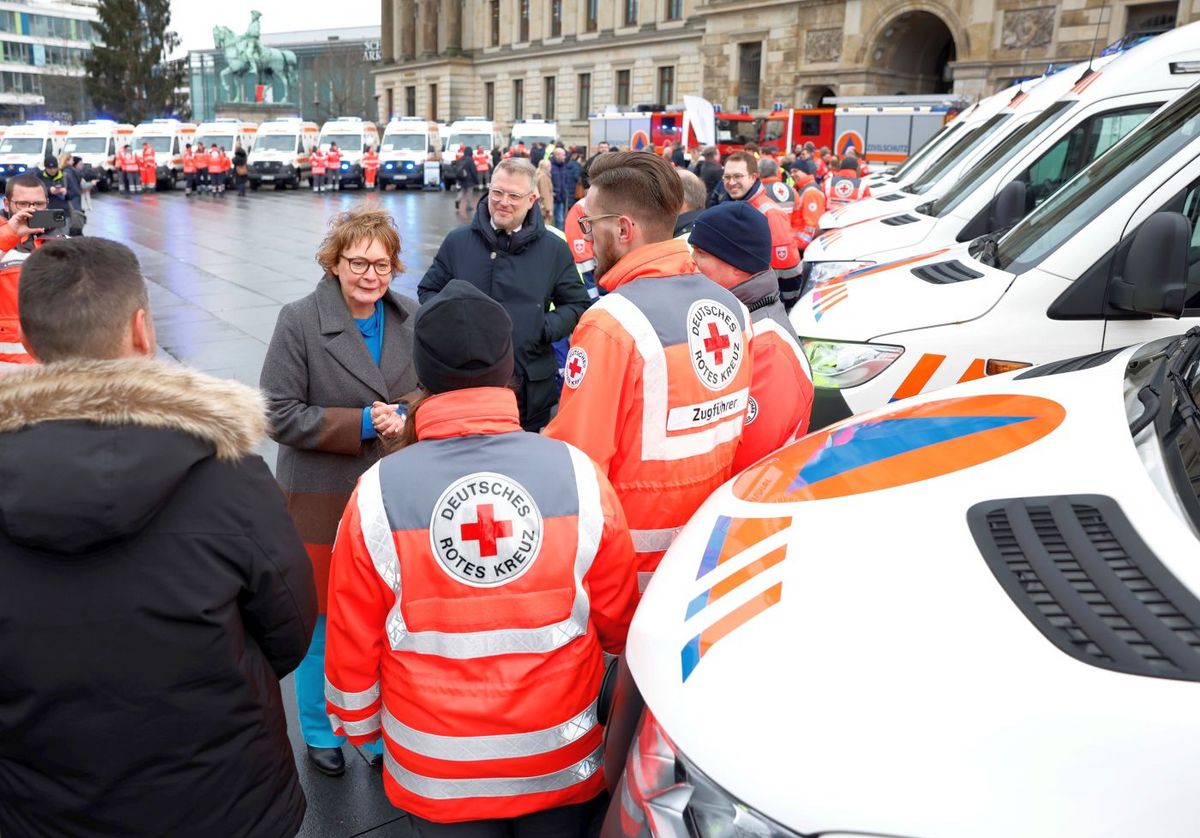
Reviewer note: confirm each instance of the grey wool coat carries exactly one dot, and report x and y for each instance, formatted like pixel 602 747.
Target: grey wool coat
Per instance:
pixel 317 377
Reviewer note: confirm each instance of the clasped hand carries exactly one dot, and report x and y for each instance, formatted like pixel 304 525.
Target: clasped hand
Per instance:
pixel 387 419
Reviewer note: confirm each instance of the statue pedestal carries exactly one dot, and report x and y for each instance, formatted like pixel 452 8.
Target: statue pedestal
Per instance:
pixel 256 111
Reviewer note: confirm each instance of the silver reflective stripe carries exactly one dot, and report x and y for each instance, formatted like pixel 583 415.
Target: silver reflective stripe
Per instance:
pixel 502 746
pixel 644 578
pixel 360 700
pixel 435 788
pixel 364 727
pixel 12 348
pixel 380 543
pixel 653 541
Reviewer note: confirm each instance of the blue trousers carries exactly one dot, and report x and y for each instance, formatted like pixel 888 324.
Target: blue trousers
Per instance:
pixel 310 697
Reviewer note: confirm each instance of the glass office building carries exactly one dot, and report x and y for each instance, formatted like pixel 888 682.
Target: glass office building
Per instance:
pixel 42 49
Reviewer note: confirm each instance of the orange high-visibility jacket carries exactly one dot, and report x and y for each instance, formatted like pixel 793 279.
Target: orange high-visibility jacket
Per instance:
pixel 806 214
pixel 657 381
pixel 476 577
pixel 333 158
pixel 581 247
pixel 370 160
pixel 13 253
pixel 214 161
pixel 130 162
pixel 845 186
pixel 317 161
pixel 774 200
pixel 483 160
pixel 189 161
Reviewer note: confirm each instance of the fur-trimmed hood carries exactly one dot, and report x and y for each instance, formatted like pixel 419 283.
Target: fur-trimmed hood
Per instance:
pixel 90 450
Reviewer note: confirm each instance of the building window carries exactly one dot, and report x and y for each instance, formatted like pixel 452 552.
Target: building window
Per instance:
pixel 556 18
pixel 410 100
pixel 749 74
pixel 1150 18
pixel 524 21
pixel 433 103
pixel 489 99
pixel 550 87
pixel 631 12
pixel 391 102
pixel 585 96
pixel 518 99
pixel 591 15
pixel 622 92
pixel 674 9
pixel 495 23
pixel 666 85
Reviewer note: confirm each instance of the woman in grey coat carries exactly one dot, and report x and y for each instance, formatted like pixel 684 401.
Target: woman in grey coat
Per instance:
pixel 336 376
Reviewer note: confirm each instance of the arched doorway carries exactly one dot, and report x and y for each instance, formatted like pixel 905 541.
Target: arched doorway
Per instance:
pixel 814 96
pixel 912 54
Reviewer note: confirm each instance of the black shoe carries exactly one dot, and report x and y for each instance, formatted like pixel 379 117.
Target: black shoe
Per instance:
pixel 328 761
pixel 374 760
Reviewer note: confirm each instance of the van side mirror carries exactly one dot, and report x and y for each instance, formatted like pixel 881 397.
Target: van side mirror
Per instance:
pixel 1009 207
pixel 1155 273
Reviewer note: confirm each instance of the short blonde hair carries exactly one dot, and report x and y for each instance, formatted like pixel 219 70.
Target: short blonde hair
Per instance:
pixel 353 226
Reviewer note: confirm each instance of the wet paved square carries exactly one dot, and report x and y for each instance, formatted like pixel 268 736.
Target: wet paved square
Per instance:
pixel 219 270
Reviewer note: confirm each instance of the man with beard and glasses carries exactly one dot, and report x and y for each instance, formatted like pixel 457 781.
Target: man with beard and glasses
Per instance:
pixel 657 380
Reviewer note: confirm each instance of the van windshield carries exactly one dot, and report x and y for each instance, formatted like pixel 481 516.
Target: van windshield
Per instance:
pixel 530 139
pixel 991 162
pixel 275 142
pixel 224 141
pixel 1099 186
pixel 22 145
pixel 87 145
pixel 960 151
pixel 938 141
pixel 162 145
pixel 470 140
pixel 736 131
pixel 346 142
pixel 404 142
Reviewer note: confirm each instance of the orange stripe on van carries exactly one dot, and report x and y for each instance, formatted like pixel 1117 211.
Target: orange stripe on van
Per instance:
pixel 919 377
pixel 978 369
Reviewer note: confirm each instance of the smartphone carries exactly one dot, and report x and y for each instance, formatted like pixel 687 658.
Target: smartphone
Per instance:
pixel 48 219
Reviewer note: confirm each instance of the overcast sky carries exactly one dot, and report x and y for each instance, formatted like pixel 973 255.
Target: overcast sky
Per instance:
pixel 194 19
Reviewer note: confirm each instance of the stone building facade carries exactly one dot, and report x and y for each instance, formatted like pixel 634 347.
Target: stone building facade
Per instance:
pixel 563 59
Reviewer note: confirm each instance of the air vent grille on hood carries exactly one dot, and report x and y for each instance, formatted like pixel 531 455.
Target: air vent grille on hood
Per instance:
pixel 945 273
pixel 898 220
pixel 1082 575
pixel 895 196
pixel 1079 362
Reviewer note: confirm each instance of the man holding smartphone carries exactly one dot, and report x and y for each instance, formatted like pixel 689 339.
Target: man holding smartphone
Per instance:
pixel 26 210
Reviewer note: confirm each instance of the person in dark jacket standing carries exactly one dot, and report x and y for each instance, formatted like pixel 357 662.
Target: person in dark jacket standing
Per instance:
pixel 508 253
pixel 154 589
pixel 240 171
pixel 564 175
pixel 56 183
pixel 709 170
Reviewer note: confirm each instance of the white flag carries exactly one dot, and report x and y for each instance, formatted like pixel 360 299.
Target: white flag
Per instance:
pixel 703 118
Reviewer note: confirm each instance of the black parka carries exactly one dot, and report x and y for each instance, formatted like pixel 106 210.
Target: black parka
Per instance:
pixel 533 276
pixel 154 592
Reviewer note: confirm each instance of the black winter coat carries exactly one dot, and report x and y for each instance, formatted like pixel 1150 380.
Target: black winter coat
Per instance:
pixel 154 592
pixel 533 270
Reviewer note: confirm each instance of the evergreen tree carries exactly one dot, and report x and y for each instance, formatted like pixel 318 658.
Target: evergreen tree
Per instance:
pixel 130 77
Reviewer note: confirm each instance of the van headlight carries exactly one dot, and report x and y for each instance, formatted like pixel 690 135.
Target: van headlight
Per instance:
pixel 838 365
pixel 662 794
pixel 816 274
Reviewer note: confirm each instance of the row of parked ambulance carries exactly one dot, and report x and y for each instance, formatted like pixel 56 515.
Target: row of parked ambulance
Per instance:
pixel 966 604
pixel 278 150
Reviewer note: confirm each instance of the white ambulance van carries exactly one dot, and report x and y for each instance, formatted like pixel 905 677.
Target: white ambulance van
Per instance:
pixel 530 131
pixel 1030 164
pixel 470 132
pixel 167 137
pixel 976 613
pixel 407 143
pixel 227 133
pixel 280 154
pixel 25 146
pixel 97 142
pixel 944 171
pixel 352 135
pixel 1110 259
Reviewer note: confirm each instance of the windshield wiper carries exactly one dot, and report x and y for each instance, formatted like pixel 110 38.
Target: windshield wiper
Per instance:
pixel 984 248
pixel 1186 410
